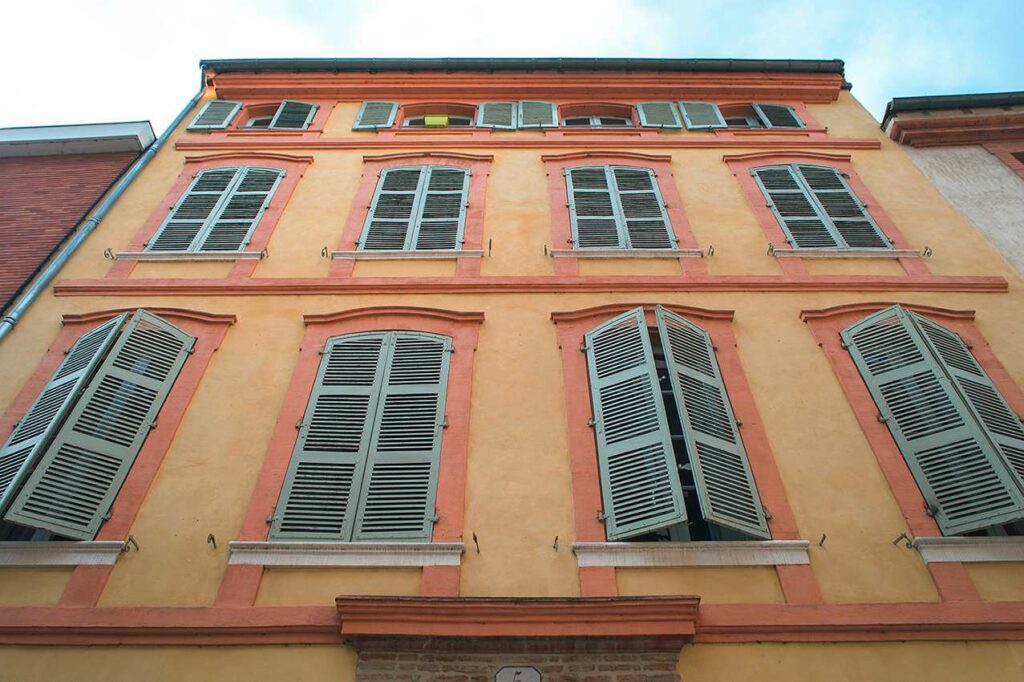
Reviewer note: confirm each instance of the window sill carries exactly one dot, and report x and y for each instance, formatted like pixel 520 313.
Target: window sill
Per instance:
pixel 627 253
pixel 794 132
pixel 844 253
pixel 970 550
pixel 404 255
pixel 190 255
pixel 742 553
pixel 86 553
pixel 328 554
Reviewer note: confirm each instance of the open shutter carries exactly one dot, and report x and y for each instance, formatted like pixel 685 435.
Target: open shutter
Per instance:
pixel 502 115
pixel 721 471
pixel 639 479
pixel 958 469
pixel 441 209
pixel 796 211
pixel 702 115
pixel 292 115
pixel 392 212
pixel 401 479
pixel 76 481
pixel 777 115
pixel 642 209
pixel 534 114
pixel 234 221
pixel 988 404
pixel 192 212
pixel 658 115
pixel 216 114
pixel 843 208
pixel 593 214
pixel 36 429
pixel 321 488
pixel 374 115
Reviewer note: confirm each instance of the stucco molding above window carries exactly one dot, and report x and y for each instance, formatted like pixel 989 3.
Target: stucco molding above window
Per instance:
pixel 646 554
pixel 970 549
pixel 85 553
pixel 337 554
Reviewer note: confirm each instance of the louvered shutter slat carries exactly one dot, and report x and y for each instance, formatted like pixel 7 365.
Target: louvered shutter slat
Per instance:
pixel 215 114
pixel 75 483
pixel 401 480
pixel 701 115
pixel 592 211
pixel 392 212
pixel 777 116
pixel 292 115
pixel 721 471
pixel 658 115
pixel 240 213
pixel 642 209
pixel 534 114
pixel 36 429
pixel 502 115
pixel 639 479
pixel 442 209
pixel 840 204
pixel 324 478
pixel 374 115
pixel 959 470
pixel 796 212
pixel 192 212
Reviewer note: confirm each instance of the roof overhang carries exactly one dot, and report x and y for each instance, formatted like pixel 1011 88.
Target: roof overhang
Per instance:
pixel 90 138
pixel 955 119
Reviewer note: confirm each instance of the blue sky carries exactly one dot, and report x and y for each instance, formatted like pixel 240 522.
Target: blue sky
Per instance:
pixel 91 61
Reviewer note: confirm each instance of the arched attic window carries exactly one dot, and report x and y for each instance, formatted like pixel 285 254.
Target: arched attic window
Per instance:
pixel 596 115
pixel 438 115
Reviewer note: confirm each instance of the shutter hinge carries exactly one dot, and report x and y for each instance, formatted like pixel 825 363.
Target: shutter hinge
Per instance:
pixel 67 351
pixel 882 418
pixel 931 510
pixel 444 424
pixel 843 344
pixel 591 422
pixel 434 519
pixel 601 516
pixel 270 519
pixel 583 347
pixel 152 424
pixel 739 424
pixel 299 424
pixel 767 514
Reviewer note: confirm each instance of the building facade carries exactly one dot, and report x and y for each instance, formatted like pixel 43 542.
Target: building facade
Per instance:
pixel 519 370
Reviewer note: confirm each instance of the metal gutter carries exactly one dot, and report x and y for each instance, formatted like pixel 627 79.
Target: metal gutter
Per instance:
pixel 80 234
pixel 899 105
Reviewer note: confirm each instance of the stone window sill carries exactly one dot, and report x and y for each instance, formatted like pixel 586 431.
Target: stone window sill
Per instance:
pixel 626 253
pixel 970 549
pixel 405 255
pixel 844 253
pixel 742 553
pixel 87 553
pixel 180 256
pixel 334 554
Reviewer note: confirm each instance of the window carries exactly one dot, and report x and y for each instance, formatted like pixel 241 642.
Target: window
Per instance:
pixel 598 122
pixel 670 457
pixel 417 208
pixel 366 459
pixel 816 208
pixel 259 122
pixel 960 439
pixel 617 207
pixel 64 463
pixel 287 115
pixel 708 115
pixel 438 121
pixel 219 210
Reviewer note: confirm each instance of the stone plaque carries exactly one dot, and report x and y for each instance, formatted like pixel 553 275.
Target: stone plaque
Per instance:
pixel 517 674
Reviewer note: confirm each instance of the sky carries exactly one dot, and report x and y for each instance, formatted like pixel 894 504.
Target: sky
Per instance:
pixel 91 61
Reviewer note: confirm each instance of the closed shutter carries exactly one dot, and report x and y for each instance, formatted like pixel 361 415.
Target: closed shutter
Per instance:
pixel 838 202
pixel 392 211
pixel 441 209
pixel 721 471
pixel 537 114
pixel 76 481
pixel 593 214
pixel 36 429
pixel 702 115
pixel 777 116
pixel 292 115
pixel 959 470
pixel 639 478
pixel 797 213
pixel 192 212
pixel 401 480
pixel 497 115
pixel 642 209
pixel 422 208
pixel 374 115
pixel 658 115
pixel 321 488
pixel 215 114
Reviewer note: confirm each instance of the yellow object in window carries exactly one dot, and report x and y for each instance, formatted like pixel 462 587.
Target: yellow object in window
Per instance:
pixel 435 121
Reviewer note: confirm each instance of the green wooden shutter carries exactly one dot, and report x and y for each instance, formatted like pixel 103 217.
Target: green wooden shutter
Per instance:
pixel 76 481
pixel 798 214
pixel 777 115
pixel 658 115
pixel 534 114
pixel 593 214
pixel 292 115
pixel 988 404
pixel 36 429
pixel 322 485
pixel 639 478
pixel 837 201
pixel 401 478
pixel 502 115
pixel 958 468
pixel 441 209
pixel 192 212
pixel 701 115
pixel 721 471
pixel 215 114
pixel 232 225
pixel 390 219
pixel 374 115
pixel 642 209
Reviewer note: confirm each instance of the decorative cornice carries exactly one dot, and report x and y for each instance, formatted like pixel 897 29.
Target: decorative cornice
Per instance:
pixel 615 308
pixel 406 311
pixel 92 553
pixel 170 313
pixel 249 155
pixel 431 155
pixel 571 156
pixel 740 553
pixel 786 153
pixel 874 306
pixel 346 553
pixel 935 131
pixel 970 549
